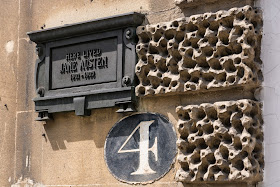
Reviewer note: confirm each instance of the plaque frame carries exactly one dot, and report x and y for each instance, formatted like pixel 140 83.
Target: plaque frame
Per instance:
pixel 82 98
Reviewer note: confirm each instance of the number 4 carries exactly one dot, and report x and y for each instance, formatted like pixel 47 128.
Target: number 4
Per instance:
pixel 144 167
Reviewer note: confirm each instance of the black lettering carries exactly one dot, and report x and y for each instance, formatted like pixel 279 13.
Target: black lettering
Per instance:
pixel 91 64
pixel 83 66
pixel 75 77
pixel 85 54
pixel 63 68
pixel 67 68
pixel 90 75
pixel 74 67
pixel 102 62
pixel 97 52
pixel 90 53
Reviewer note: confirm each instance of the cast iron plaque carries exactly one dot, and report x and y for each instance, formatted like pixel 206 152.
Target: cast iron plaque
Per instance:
pixel 140 148
pixel 86 65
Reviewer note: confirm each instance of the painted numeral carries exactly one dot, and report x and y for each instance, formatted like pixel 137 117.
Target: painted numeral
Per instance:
pixel 144 167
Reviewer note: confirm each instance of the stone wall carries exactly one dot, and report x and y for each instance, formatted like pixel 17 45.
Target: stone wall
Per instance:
pixel 8 89
pixel 69 150
pixel 202 52
pixel 220 142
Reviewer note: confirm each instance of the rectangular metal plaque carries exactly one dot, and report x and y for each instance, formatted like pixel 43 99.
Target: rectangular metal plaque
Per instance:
pixel 86 63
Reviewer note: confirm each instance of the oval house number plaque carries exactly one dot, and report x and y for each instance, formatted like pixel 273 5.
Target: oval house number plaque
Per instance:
pixel 140 148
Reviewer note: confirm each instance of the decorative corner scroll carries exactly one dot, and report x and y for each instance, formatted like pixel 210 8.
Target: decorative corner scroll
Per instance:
pixel 41 51
pixel 130 38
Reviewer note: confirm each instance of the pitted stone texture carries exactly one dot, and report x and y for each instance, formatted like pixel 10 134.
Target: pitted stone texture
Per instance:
pixel 220 142
pixel 205 51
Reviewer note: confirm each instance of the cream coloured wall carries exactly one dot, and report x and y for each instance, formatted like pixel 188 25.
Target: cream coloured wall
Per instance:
pixel 71 151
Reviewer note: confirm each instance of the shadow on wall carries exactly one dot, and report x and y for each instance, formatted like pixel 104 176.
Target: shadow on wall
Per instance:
pixel 67 127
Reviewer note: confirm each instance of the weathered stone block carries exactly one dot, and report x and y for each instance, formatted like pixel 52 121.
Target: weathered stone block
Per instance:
pixel 205 51
pixel 220 142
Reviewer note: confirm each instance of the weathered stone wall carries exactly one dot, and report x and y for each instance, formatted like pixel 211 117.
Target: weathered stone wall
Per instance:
pixel 220 142
pixel 69 151
pixel 8 88
pixel 211 50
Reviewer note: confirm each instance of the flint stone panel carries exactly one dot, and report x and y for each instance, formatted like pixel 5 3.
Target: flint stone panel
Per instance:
pixel 220 142
pixel 202 52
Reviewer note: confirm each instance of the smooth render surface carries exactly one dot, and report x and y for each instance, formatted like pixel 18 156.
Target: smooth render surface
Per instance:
pixel 9 42
pixel 271 90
